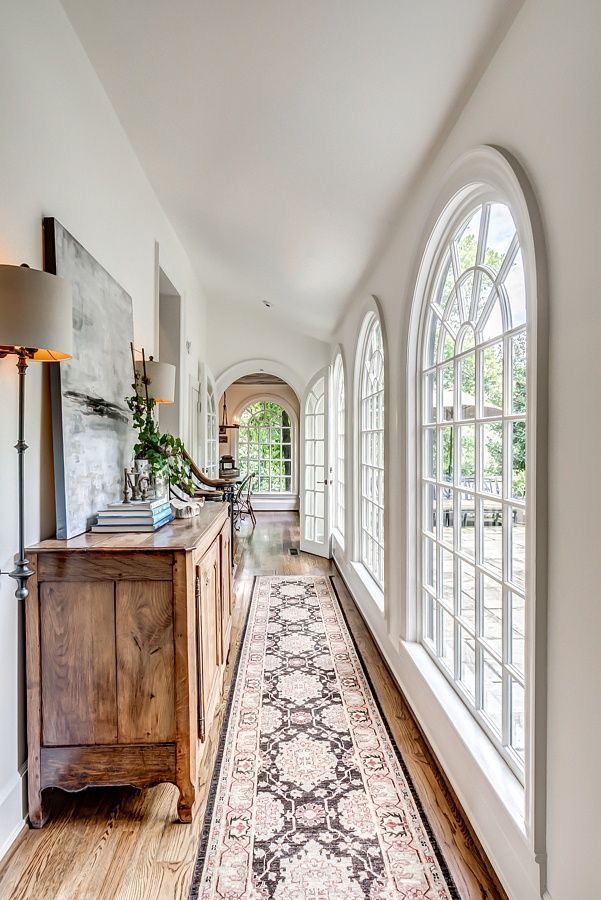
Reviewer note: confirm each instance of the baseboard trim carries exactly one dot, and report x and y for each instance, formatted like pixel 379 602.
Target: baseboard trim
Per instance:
pixel 275 504
pixel 12 821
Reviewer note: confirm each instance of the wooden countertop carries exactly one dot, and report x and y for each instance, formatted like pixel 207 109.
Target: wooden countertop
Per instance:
pixel 181 534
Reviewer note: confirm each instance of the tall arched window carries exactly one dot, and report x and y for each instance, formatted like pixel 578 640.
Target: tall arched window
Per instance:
pixel 265 446
pixel 371 449
pixel 212 446
pixel 339 439
pixel 473 378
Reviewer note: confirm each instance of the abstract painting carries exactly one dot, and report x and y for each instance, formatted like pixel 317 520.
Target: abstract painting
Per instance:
pixel 91 424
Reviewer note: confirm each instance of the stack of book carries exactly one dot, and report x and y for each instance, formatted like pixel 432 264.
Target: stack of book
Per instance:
pixel 137 515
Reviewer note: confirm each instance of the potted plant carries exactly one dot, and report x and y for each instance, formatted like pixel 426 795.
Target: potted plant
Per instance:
pixel 163 453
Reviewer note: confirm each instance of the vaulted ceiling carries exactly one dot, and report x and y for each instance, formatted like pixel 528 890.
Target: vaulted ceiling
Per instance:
pixel 280 135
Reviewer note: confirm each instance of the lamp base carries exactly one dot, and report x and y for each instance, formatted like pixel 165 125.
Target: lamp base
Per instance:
pixel 21 573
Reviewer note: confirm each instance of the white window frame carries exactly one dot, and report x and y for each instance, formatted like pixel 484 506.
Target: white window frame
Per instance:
pixel 371 320
pixel 212 464
pixel 479 497
pixel 293 429
pixel 339 446
pixel 490 174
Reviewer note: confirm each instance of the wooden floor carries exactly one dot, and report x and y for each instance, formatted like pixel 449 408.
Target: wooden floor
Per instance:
pixel 104 844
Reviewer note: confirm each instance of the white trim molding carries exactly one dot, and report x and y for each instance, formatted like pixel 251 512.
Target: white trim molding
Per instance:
pixel 251 366
pixel 372 310
pixel 510 821
pixel 12 803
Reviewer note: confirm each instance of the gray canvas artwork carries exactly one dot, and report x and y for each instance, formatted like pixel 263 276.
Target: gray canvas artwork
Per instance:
pixel 93 437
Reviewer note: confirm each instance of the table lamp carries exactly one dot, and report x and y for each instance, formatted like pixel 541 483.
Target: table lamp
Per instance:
pixel 157 377
pixel 36 323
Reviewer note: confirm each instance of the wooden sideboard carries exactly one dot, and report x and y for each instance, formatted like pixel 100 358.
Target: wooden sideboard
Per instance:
pixel 127 636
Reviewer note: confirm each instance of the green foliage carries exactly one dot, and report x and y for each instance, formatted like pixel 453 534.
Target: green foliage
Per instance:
pixel 492 380
pixel 265 446
pixel 164 452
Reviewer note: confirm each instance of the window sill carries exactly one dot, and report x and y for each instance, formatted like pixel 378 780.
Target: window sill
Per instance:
pixel 339 538
pixel 374 590
pixel 497 772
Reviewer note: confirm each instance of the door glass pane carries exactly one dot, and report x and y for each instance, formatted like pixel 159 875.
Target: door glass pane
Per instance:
pixel 315 508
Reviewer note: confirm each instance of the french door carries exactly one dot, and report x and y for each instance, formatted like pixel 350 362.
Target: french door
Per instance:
pixel 315 505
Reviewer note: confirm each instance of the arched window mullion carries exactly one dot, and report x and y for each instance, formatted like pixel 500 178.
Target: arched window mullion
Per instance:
pixel 472 444
pixel 509 259
pixel 371 450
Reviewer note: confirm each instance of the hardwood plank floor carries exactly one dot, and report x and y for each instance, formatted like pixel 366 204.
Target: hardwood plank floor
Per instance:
pixel 124 843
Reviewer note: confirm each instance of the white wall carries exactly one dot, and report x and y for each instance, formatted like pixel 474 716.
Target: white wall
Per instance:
pixel 63 153
pixel 237 334
pixel 539 99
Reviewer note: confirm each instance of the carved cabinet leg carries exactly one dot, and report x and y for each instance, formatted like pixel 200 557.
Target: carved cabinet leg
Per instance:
pixel 38 812
pixel 185 804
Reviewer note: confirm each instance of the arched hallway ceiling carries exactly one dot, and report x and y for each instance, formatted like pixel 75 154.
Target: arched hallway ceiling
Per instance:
pixel 279 135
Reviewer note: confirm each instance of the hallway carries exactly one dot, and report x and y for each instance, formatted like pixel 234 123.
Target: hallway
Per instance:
pixel 125 843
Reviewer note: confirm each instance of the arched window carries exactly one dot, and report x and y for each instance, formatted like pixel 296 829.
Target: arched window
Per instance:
pixel 212 446
pixel 339 439
pixel 265 446
pixel 473 380
pixel 371 450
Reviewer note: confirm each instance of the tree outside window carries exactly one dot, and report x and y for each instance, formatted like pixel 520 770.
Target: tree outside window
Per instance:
pixel 265 447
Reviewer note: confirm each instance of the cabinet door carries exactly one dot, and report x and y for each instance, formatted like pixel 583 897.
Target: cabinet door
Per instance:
pixel 77 625
pixel 226 589
pixel 145 662
pixel 208 610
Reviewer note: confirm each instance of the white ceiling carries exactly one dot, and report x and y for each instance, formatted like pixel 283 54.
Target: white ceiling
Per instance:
pixel 280 135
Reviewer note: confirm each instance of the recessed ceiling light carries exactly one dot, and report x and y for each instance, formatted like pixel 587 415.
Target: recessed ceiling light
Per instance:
pixel 266 304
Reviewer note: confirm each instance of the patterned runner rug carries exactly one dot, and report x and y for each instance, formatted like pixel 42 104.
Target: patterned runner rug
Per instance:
pixel 310 798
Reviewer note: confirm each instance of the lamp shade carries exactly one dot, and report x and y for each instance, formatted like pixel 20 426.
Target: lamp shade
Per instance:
pixel 161 380
pixel 35 313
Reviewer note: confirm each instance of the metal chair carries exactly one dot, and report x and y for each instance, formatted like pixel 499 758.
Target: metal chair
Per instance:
pixel 242 503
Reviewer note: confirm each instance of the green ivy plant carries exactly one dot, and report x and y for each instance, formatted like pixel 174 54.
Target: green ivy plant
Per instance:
pixel 165 453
